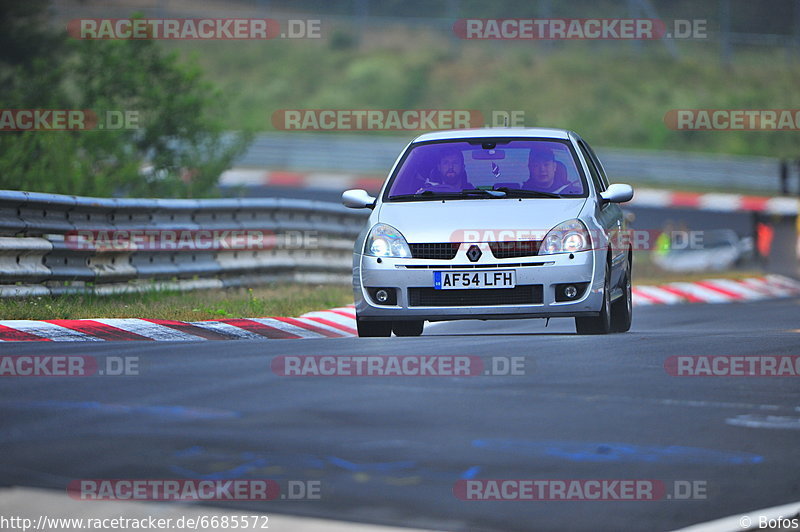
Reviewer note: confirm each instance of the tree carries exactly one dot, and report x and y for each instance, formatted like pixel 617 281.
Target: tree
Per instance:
pixel 172 144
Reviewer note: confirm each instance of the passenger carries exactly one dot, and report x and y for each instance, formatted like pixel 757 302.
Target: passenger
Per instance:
pixel 546 174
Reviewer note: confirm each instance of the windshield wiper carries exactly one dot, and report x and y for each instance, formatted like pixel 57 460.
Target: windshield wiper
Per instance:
pixel 493 193
pixel 528 193
pixel 449 195
pixel 425 195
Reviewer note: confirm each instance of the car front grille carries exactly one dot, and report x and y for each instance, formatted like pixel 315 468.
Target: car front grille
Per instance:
pixel 435 250
pixel 511 249
pixel 500 250
pixel 431 297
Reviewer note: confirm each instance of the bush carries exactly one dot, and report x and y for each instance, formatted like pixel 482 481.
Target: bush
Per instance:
pixel 176 146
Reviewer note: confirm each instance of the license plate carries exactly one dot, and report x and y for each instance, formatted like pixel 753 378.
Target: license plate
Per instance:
pixel 473 279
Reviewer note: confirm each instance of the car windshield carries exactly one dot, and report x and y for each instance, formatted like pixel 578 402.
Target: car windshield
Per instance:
pixel 520 168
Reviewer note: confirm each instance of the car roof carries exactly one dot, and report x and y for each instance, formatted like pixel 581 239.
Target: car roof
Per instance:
pixel 458 134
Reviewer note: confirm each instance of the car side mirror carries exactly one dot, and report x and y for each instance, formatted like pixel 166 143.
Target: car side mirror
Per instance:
pixel 357 198
pixel 617 193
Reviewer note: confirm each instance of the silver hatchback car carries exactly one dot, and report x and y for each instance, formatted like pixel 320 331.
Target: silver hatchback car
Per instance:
pixel 493 224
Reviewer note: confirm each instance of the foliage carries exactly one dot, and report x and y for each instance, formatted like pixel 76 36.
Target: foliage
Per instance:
pixel 172 142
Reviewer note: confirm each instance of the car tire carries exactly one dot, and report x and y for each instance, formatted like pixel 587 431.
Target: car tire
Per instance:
pixel 600 324
pixel 373 329
pixel 622 308
pixel 408 328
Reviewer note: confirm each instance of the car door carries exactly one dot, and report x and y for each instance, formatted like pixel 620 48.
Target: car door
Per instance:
pixel 608 214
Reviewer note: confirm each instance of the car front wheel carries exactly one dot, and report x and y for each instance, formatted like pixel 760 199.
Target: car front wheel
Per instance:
pixel 602 323
pixel 622 308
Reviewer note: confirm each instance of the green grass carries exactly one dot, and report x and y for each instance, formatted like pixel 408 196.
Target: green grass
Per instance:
pixel 608 92
pixel 657 277
pixel 271 300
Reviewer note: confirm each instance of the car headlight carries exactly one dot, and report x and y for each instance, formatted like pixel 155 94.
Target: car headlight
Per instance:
pixel 566 237
pixel 386 241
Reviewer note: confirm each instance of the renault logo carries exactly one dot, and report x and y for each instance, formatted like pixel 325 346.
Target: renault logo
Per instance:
pixel 474 253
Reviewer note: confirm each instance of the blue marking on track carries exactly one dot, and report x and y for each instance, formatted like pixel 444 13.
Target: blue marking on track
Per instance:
pixel 196 450
pixel 234 472
pixel 196 462
pixel 577 451
pixel 471 472
pixel 367 467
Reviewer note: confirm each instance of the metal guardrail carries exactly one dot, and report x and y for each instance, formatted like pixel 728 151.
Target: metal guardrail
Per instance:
pixel 364 154
pixel 44 247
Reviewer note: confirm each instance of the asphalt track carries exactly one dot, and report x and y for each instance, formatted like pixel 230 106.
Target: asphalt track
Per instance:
pixel 390 449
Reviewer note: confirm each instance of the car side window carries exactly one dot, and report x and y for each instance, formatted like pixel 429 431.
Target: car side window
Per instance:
pixel 599 166
pixel 598 183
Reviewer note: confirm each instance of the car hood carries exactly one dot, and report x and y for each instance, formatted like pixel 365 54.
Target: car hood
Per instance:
pixel 485 219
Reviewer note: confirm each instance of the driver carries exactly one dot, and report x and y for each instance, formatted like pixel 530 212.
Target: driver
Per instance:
pixel 448 175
